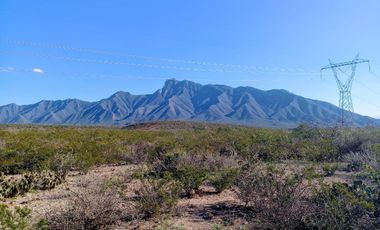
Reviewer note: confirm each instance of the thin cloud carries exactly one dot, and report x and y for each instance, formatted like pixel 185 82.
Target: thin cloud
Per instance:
pixel 38 71
pixel 6 69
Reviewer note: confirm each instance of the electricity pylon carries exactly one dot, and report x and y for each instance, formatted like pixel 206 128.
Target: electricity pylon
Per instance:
pixel 345 85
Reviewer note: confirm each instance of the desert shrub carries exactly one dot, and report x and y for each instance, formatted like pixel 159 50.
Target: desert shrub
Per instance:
pixel 319 150
pixel 355 161
pixel 216 227
pixel 18 219
pixel 32 148
pixel 192 170
pixel 338 206
pixel 329 169
pixel 376 148
pixel 156 196
pixel 277 200
pixel 191 178
pixel 138 153
pixel 304 131
pixel 350 141
pixel 166 224
pixel 163 163
pixel 268 146
pixel 223 179
pixel 91 207
pixel 368 184
pixel 85 161
pixel 2 145
pixel 358 160
pixel 223 170
pixel 310 173
pixel 189 170
pixel 61 163
pixel 330 144
pixel 13 219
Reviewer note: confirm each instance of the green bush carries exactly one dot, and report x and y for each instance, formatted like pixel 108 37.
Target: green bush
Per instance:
pixel 329 169
pixel 34 148
pixel 338 206
pixel 310 174
pixel 156 197
pixel 191 178
pixel 368 184
pixel 192 170
pixel 223 179
pixel 18 219
pixel 304 131
pixel 189 171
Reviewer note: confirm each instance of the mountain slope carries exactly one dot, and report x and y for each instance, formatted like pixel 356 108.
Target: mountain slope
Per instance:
pixel 185 100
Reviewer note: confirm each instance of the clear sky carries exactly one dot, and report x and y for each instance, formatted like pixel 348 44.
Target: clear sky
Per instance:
pixel 89 49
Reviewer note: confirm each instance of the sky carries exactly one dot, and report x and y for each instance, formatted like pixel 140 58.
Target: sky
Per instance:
pixel 90 49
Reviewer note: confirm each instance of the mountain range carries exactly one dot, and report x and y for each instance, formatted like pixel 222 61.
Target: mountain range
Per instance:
pixel 185 100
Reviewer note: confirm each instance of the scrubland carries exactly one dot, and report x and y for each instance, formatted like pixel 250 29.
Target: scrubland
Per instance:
pixel 184 175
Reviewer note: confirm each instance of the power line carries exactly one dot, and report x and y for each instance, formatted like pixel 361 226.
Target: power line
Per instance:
pixel 374 74
pixel 368 102
pixel 120 76
pixel 365 86
pixel 145 65
pixel 170 60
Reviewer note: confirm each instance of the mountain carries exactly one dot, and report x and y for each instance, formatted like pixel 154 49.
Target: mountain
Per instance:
pixel 185 100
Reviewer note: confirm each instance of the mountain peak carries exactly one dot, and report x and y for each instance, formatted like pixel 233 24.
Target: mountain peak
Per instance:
pixel 173 87
pixel 120 94
pixel 172 82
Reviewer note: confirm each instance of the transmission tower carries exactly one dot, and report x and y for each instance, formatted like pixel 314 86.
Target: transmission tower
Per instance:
pixel 345 85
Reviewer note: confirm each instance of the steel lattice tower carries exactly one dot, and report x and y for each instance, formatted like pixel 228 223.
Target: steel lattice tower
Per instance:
pixel 345 85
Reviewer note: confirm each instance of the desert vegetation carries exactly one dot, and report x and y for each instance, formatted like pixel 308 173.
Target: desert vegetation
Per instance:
pixel 303 178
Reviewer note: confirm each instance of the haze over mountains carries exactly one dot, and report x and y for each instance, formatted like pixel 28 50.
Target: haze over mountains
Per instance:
pixel 185 100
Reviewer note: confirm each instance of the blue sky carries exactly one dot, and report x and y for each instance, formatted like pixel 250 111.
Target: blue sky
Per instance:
pixel 89 49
